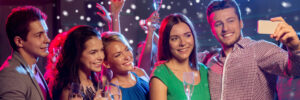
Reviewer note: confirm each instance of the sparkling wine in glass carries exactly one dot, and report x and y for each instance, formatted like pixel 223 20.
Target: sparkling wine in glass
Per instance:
pixel 188 84
pixel 114 90
pixel 143 23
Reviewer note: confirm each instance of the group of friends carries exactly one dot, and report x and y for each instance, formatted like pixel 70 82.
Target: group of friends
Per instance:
pixel 242 69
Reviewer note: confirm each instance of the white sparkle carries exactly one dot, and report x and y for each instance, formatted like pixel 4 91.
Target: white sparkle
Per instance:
pixel 168 7
pixel 178 3
pixel 126 29
pixel 81 17
pixel 100 24
pixel 292 94
pixel 197 1
pixel 137 18
pixel 200 15
pixel 65 13
pixel 101 2
pixel 76 11
pixel 191 4
pixel 60 30
pixel 130 41
pixel 296 18
pixel 184 11
pixel 146 32
pixel 89 6
pixel 248 10
pixel 269 10
pixel 172 2
pixel 57 17
pixel 128 11
pixel 148 23
pixel 286 4
pixel 88 19
pixel 109 2
pixel 133 6
pixel 69 0
pixel 163 6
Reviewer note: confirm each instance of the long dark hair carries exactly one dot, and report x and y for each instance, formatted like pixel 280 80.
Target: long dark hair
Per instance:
pixel 69 60
pixel 164 52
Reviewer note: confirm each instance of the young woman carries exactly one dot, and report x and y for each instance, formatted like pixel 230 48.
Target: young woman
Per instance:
pixel 81 56
pixel 177 47
pixel 133 81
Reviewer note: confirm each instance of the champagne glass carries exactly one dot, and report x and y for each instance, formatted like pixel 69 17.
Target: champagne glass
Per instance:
pixel 188 84
pixel 103 87
pixel 114 90
pixel 75 93
pixel 143 23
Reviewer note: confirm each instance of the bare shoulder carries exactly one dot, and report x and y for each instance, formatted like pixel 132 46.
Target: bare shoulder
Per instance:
pixel 139 71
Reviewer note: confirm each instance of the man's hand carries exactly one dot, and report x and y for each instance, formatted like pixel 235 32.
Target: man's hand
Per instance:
pixel 286 34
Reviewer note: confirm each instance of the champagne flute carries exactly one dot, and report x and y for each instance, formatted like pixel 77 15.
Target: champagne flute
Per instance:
pixel 143 23
pixel 114 90
pixel 188 83
pixel 75 93
pixel 103 87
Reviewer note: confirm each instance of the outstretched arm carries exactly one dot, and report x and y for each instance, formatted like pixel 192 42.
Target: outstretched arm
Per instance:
pixel 146 54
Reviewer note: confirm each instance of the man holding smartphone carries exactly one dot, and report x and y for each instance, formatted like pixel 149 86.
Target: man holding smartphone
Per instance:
pixel 247 69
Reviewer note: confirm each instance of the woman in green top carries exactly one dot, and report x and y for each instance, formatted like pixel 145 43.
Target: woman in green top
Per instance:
pixel 178 48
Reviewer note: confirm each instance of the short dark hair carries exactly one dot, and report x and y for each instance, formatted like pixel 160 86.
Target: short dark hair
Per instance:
pixel 17 23
pixel 216 5
pixel 164 52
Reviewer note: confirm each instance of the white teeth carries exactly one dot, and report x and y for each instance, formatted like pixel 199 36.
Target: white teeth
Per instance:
pixel 182 50
pixel 226 35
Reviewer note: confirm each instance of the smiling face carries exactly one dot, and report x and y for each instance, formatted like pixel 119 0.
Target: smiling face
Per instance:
pixel 226 26
pixel 37 41
pixel 93 54
pixel 119 57
pixel 181 41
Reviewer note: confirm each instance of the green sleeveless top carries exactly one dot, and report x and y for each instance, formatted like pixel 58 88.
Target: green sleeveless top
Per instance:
pixel 175 86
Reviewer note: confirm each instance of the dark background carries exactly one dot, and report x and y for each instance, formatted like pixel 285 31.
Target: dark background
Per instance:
pixel 64 14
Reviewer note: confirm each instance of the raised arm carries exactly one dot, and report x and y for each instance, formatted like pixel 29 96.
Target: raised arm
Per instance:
pixel 112 18
pixel 146 54
pixel 115 8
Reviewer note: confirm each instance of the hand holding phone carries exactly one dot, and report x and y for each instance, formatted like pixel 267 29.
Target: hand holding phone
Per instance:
pixel 266 26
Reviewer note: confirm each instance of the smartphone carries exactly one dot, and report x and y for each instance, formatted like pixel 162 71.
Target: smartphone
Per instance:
pixel 266 26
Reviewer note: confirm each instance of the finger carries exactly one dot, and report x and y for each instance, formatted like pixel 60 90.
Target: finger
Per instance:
pixel 285 38
pixel 282 33
pixel 278 28
pixel 278 19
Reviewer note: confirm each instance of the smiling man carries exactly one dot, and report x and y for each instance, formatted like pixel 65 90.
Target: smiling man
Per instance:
pixel 20 78
pixel 246 69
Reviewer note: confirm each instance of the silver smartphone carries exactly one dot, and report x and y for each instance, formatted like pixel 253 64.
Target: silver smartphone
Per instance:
pixel 266 26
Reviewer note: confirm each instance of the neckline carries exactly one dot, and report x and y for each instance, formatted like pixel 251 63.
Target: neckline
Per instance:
pixel 136 78
pixel 179 79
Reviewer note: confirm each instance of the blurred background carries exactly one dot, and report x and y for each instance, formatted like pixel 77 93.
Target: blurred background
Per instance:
pixel 64 14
